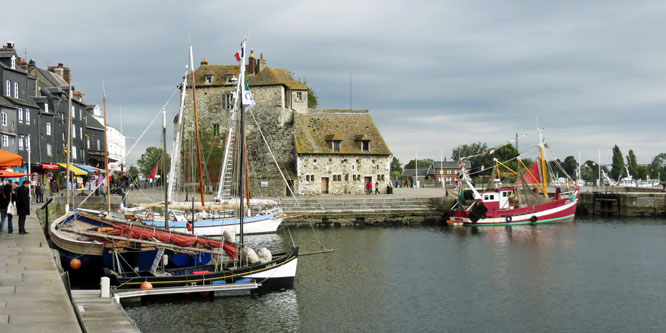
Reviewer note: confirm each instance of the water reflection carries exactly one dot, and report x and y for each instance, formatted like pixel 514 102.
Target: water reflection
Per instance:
pixel 271 312
pixel 534 234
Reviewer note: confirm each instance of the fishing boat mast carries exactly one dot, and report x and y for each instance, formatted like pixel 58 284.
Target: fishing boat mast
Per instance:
pixel 543 164
pixel 106 157
pixel 196 126
pixel 69 144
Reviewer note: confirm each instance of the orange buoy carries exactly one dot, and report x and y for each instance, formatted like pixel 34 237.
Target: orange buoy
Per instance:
pixel 75 264
pixel 146 285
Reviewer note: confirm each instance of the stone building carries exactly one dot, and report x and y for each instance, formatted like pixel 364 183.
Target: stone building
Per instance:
pixel 339 152
pixel 281 110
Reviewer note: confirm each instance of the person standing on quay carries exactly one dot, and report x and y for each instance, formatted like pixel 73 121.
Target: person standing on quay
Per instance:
pixel 368 187
pixel 5 198
pixel 39 191
pixel 23 205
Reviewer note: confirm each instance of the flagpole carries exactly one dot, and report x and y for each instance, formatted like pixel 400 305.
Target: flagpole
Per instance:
pixel 241 212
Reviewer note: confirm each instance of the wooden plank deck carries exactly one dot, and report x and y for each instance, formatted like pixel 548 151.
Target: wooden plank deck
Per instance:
pixel 101 314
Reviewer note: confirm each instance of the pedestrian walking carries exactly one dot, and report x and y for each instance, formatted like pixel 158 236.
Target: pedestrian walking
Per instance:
pixel 406 184
pixel 376 187
pixel 23 205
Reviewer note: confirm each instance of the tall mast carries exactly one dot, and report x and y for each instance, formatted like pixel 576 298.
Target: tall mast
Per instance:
pixel 106 157
pixel 69 144
pixel 196 126
pixel 227 145
pixel 164 168
pixel 242 151
pixel 175 154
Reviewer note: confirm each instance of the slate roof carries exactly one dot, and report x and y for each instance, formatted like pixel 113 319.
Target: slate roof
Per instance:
pixel 6 103
pixel 412 173
pixel 312 129
pixel 267 77
pixel 28 102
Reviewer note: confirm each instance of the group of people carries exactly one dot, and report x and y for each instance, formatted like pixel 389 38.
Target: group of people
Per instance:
pixel 14 200
pixel 368 187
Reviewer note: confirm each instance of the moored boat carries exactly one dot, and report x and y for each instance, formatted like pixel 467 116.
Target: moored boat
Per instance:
pixel 526 202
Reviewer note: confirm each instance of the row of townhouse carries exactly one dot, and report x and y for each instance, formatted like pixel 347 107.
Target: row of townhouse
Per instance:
pixel 34 116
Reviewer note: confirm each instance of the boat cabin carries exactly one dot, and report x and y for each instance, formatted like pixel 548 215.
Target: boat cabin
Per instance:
pixel 498 198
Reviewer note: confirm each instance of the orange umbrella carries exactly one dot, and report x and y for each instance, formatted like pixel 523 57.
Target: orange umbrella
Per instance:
pixel 8 159
pixel 11 174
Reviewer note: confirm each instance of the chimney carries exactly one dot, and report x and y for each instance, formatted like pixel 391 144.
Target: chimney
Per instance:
pixel 31 65
pixel 251 63
pixel 66 74
pixel 204 61
pixel 23 64
pixel 10 45
pixel 261 63
pixel 57 69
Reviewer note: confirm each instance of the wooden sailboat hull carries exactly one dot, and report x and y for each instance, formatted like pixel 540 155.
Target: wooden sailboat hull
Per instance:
pixel 273 275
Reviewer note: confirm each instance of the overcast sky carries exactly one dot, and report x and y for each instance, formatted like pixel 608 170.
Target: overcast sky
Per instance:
pixel 434 74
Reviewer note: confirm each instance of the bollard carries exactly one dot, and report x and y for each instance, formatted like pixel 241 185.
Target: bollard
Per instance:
pixel 105 287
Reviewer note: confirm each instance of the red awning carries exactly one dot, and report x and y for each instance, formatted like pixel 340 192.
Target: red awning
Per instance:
pixel 49 166
pixel 11 174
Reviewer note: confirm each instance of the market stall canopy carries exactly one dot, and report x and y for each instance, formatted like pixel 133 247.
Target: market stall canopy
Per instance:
pixel 11 174
pixel 8 159
pixel 49 166
pixel 74 169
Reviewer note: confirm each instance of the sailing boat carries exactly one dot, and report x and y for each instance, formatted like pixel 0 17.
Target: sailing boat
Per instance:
pixel 216 219
pixel 271 272
pixel 527 202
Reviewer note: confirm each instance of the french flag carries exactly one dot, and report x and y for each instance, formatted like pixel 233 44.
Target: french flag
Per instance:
pixel 239 55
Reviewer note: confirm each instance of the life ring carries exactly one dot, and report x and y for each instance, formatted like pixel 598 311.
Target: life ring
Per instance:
pixel 533 218
pixel 149 216
pixel 508 218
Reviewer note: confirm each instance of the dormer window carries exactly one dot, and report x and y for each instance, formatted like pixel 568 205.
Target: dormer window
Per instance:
pixel 231 78
pixel 336 144
pixel 12 64
pixel 365 146
pixel 299 96
pixel 209 79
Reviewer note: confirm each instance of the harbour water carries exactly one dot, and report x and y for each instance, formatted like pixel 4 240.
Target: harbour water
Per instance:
pixel 595 275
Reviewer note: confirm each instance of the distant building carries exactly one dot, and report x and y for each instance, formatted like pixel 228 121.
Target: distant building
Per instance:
pixel 116 139
pixel 446 171
pixel 339 151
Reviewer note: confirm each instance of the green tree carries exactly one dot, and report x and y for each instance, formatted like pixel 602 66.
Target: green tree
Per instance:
pixel 632 164
pixel 395 166
pixel 570 165
pixel 423 164
pixel 486 161
pixel 618 164
pixel 642 172
pixel 590 171
pixel 152 157
pixel 313 101
pixel 658 167
pixel 133 171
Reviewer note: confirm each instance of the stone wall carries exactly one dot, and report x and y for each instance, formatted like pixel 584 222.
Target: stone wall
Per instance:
pixel 342 173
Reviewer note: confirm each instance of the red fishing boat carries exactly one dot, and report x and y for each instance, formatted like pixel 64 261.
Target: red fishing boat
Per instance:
pixel 529 201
